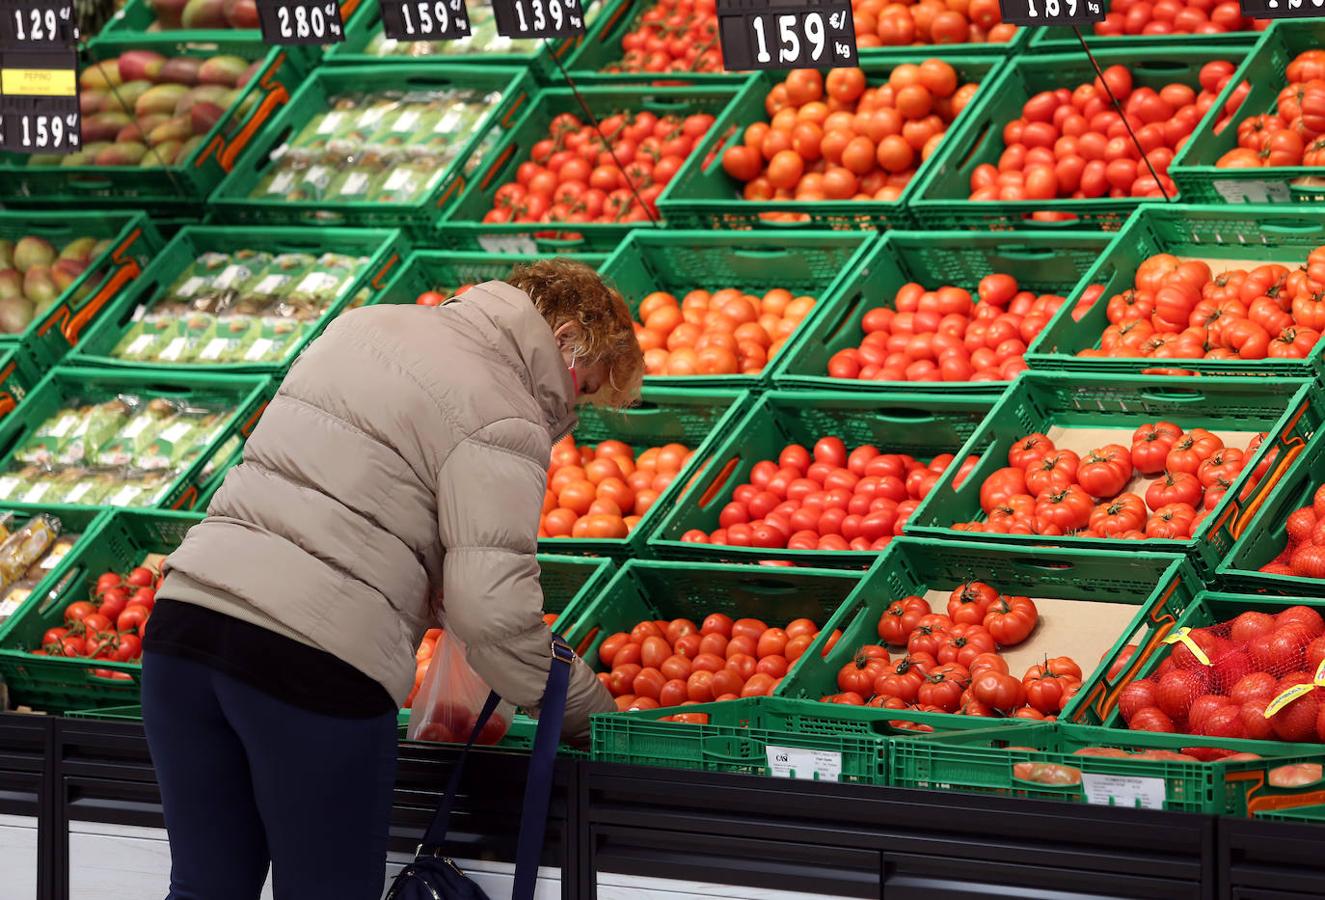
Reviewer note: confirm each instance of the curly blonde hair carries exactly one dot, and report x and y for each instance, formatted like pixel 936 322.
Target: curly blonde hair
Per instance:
pixel 567 291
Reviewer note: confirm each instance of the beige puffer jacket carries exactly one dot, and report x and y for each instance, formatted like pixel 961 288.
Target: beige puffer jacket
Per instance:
pixel 405 454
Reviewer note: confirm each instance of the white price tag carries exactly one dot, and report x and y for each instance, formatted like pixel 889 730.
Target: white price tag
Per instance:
pixel 1253 191
pixel 807 765
pixel 261 347
pixel 1123 790
pixel 174 349
pixel 330 122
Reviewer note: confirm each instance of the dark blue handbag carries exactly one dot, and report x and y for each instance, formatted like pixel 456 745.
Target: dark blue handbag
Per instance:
pixel 432 876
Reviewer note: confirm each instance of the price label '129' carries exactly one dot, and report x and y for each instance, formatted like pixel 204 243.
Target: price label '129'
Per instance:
pixel 1051 12
pixel 300 21
pixel 425 20
pixel 763 34
pixel 34 24
pixel 538 18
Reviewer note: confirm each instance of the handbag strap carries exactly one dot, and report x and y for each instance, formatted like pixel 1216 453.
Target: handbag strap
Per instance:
pixel 538 784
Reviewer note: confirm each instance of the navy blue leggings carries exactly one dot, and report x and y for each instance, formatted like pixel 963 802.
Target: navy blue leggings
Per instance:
pixel 248 780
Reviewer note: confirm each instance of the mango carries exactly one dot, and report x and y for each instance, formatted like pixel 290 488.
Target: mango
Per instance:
pixel 11 283
pixel 39 286
pixel 139 65
pixel 101 247
pixel 101 76
pixel 65 272
pixel 91 102
pixel 204 14
pixel 33 252
pixel 121 155
pixel 191 145
pixel 124 97
pixel 77 158
pixel 78 249
pixel 169 13
pixel 161 98
pixel 149 123
pixel 6 253
pixel 16 314
pixel 241 13
pixel 176 129
pixel 181 70
pixel 163 154
pixel 226 70
pixel 104 126
pixel 251 72
pixel 129 133
pixel 203 93
pixel 203 116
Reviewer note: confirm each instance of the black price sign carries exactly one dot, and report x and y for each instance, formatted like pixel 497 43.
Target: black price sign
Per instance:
pixel 538 18
pixel 300 21
pixel 425 20
pixel 37 24
pixel 39 102
pixel 786 34
pixel 1283 9
pixel 1052 12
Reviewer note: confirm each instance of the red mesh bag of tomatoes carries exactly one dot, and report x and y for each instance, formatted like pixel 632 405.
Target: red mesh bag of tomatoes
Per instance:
pixel 1220 680
pixel 450 698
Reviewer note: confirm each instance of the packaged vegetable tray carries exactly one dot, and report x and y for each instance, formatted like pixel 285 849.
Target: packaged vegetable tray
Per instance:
pixel 1081 412
pixel 698 419
pixel 98 437
pixel 80 262
pixel 703 195
pixel 804 263
pixel 1265 69
pixel 120 541
pixel 1224 237
pixel 1138 769
pixel 922 425
pixel 76 182
pixel 240 298
pixel 941 193
pixel 379 145
pixel 1041 262
pixel 442 272
pixel 464 228
pixel 33 551
pixel 1088 605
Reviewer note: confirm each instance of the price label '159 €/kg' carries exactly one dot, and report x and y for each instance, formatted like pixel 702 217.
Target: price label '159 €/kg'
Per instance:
pixel 300 21
pixel 538 18
pixel 768 34
pixel 1052 12
pixel 425 20
pixel 39 101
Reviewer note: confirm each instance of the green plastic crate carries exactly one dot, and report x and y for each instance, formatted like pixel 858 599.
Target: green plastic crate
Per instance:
pixel 232 202
pixel 380 247
pixel 1245 236
pixel 812 263
pixel 131 243
pixel 1044 262
pixel 601 48
pixel 702 195
pixel 445 270
pixel 1099 692
pixel 984 761
pixel 19 373
pixel 463 227
pixel 539 57
pixel 940 195
pixel 1289 410
pixel 1261 531
pixel 698 419
pixel 923 425
pixel 916 565
pixel 121 541
pixel 46 183
pixel 1264 69
pixel 246 394
pixel 1062 40
pixel 1310 815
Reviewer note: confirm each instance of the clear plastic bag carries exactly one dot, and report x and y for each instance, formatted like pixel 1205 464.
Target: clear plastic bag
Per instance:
pixel 451 697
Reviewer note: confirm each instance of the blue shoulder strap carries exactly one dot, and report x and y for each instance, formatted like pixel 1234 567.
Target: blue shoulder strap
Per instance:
pixel 538 785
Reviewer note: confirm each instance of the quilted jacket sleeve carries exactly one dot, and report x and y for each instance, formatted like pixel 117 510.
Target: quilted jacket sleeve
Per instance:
pixel 490 494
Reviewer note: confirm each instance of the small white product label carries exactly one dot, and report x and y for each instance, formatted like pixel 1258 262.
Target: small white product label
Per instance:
pixel 7 485
pixel 215 347
pixel 1253 191
pixel 270 284
pixel 53 558
pixel 1123 790
pixel 319 177
pixel 371 116
pixel 174 349
pixel 137 426
pixel 138 313
pixel 125 495
pixel 807 765
pixel 406 121
pixel 229 275
pixel 36 492
pixel 315 282
pixel 399 179
pixel 190 287
pixel 282 183
pixel 448 122
pixel 176 432
pixel 355 183
pixel 508 243
pixel 64 426
pixel 330 122
pixel 139 344
pixel 259 350
pixel 79 492
pixel 9 606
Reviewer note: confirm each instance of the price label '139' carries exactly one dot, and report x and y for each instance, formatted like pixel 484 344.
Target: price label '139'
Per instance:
pixel 538 18
pixel 794 36
pixel 300 21
pixel 425 20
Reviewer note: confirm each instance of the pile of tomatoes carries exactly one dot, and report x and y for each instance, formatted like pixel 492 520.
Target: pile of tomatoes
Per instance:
pixel 1143 17
pixel 943 335
pixel 889 23
pixel 1179 310
pixel 677 663
pixel 726 332
pixel 1074 144
pixel 602 492
pixel 1248 661
pixel 1304 553
pixel 837 138
pixel 108 626
pixel 672 36
pixel 578 174
pixel 1292 135
pixel 1051 491
pixel 826 499
pixel 951 663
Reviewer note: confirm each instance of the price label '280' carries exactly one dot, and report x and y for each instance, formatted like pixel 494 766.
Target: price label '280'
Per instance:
pixel 300 21
pixel 768 34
